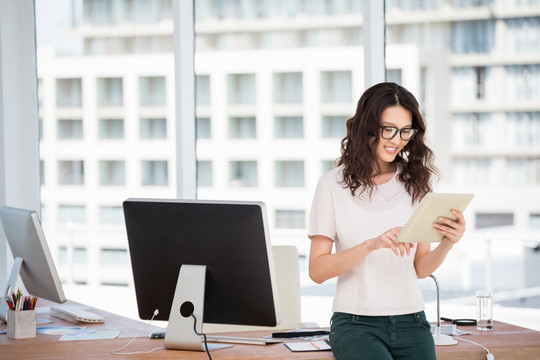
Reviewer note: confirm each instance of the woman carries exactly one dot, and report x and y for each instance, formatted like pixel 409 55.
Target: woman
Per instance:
pixel 384 170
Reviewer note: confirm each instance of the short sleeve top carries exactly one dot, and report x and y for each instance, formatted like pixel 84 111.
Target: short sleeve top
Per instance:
pixel 382 283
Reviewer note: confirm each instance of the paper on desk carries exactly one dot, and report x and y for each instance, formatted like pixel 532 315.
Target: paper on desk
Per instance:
pixel 308 346
pixel 93 335
pixel 61 330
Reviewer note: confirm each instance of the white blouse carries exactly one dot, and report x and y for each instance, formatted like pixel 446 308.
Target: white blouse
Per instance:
pixel 382 283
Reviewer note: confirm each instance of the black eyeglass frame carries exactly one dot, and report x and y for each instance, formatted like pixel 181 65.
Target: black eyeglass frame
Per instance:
pixel 395 130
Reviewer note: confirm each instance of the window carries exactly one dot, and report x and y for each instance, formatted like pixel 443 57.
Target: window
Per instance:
pixel 70 172
pixel 523 129
pixel 473 130
pixel 394 75
pixel 333 127
pixel 111 128
pixel 113 256
pixel 470 84
pixel 112 173
pixel 241 89
pixel 243 173
pixel 153 128
pixel 152 91
pixel 289 173
pixel 79 255
pixel 327 165
pixel 288 127
pixel 523 172
pixel 41 173
pixel 473 172
pixel 202 87
pixel 155 172
pixel 484 220
pixel 534 220
pixel 69 129
pixel 99 12
pixel 110 92
pixel 522 83
pixel 204 173
pixel 75 214
pixel 242 128
pixel 68 93
pixel 204 128
pixel 473 37
pixel 111 215
pixel 336 86
pixel 290 219
pixel 288 88
pixel 523 35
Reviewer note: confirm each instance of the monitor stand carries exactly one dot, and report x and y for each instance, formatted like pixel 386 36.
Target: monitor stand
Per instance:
pixel 188 299
pixel 10 286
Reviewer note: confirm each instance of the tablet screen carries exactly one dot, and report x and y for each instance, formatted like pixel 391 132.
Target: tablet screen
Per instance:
pixel 419 228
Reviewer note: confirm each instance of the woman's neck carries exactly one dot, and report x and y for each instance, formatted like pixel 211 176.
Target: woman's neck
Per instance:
pixel 386 174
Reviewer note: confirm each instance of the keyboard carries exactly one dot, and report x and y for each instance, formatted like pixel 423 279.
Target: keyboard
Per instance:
pixel 241 340
pixel 75 315
pixel 160 333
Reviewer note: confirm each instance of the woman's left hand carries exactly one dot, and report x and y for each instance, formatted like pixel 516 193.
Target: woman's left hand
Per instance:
pixel 451 229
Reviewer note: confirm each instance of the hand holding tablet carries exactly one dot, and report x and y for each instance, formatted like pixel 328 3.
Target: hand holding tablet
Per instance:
pixel 419 228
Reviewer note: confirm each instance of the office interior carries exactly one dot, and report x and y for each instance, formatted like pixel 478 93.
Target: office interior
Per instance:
pixel 481 103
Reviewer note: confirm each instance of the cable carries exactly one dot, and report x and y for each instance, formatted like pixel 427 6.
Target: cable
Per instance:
pixel 201 334
pixel 117 351
pixel 489 355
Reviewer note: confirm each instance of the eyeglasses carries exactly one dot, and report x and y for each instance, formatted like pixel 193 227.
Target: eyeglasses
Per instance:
pixel 406 134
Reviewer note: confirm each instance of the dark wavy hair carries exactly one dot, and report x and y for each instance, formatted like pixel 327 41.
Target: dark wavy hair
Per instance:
pixel 358 147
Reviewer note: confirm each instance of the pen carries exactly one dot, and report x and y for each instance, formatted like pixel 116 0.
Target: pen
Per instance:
pixel 315 345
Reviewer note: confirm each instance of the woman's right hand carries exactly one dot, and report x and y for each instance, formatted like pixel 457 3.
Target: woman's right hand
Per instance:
pixel 387 240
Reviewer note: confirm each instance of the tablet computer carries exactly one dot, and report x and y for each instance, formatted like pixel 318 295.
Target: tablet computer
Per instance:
pixel 419 227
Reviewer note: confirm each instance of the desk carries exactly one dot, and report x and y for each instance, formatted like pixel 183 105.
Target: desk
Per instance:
pixel 506 342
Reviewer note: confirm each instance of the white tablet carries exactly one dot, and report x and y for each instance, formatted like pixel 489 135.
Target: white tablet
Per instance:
pixel 419 228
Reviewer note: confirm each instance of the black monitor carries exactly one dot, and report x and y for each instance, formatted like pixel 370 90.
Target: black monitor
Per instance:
pixel 22 230
pixel 230 238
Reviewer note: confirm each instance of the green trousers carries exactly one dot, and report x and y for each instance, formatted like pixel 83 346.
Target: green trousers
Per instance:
pixel 381 337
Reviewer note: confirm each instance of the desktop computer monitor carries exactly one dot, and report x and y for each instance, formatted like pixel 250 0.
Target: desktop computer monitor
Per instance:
pixel 230 238
pixel 22 230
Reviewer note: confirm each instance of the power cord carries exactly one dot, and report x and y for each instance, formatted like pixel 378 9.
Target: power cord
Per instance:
pixel 117 351
pixel 489 355
pixel 201 334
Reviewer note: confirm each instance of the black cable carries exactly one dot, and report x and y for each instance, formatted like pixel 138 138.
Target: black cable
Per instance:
pixel 203 335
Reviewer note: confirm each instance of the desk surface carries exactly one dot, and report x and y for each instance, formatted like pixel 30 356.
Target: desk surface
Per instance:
pixel 505 342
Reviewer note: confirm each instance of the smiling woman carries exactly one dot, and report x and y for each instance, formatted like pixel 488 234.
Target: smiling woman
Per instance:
pixel 360 207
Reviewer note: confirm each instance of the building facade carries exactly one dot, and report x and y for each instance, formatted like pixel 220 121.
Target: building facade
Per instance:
pixel 275 83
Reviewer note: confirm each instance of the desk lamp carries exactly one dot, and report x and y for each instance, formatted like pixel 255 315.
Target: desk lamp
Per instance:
pixel 437 337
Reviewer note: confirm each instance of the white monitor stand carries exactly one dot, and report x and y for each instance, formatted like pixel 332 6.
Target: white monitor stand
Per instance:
pixel 10 286
pixel 188 299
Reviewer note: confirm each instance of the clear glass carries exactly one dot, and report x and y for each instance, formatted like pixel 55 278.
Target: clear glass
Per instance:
pixel 484 310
